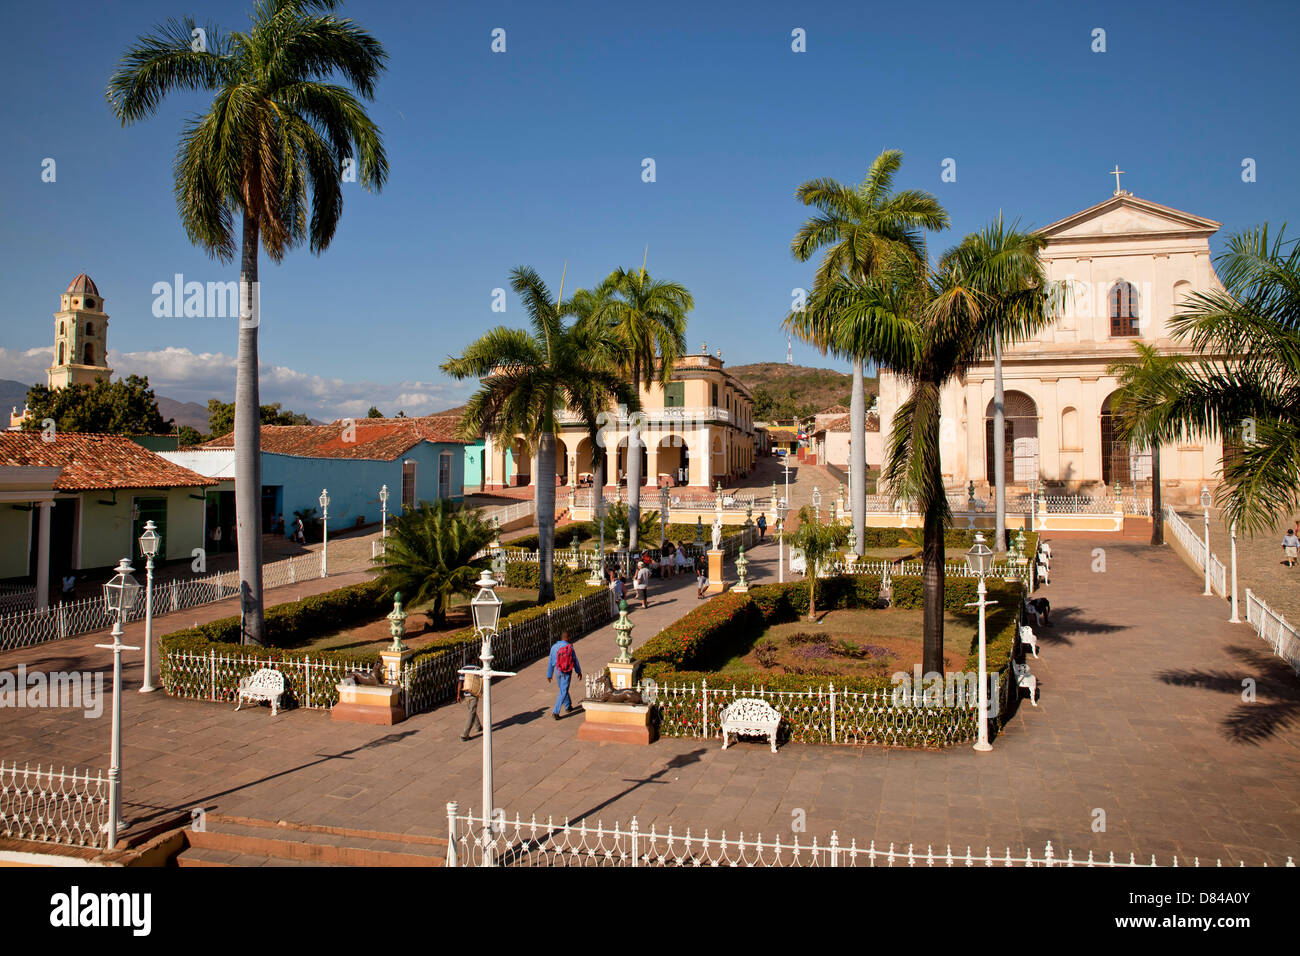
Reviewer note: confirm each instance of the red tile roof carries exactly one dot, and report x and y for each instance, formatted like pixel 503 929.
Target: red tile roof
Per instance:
pixel 379 439
pixel 92 462
pixel 82 283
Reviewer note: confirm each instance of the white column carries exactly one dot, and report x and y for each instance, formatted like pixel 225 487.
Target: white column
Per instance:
pixel 43 555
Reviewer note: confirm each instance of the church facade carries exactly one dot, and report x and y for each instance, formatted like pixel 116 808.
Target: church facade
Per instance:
pixel 80 337
pixel 1125 265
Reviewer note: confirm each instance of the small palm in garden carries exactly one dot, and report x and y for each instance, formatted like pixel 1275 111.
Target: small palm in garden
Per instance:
pixel 818 542
pixel 430 555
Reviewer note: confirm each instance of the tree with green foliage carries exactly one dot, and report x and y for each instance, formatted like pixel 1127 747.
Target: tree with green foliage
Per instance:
pixel 190 436
pixel 1240 382
pixel 649 317
pixel 374 413
pixel 864 230
pixel 221 417
pixel 272 150
pixel 818 542
pixel 525 380
pixel 126 406
pixel 429 554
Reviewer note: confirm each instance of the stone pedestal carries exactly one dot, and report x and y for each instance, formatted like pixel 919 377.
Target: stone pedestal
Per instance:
pixel 716 585
pixel 623 676
pixel 393 662
pixel 369 704
pixel 617 723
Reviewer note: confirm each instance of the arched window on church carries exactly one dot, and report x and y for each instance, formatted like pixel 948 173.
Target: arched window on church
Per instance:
pixel 1123 309
pixel 1021 431
pixel 62 353
pixel 1119 461
pixel 90 328
pixel 89 354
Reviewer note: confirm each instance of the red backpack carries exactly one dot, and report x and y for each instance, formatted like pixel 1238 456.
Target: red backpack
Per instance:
pixel 564 659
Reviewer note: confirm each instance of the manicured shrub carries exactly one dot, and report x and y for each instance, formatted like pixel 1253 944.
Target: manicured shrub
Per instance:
pixel 527 575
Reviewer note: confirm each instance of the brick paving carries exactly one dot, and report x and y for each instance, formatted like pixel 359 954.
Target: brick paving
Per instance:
pixel 1140 716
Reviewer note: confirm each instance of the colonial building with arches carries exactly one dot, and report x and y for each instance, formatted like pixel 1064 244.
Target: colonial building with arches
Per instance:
pixel 697 431
pixel 1125 264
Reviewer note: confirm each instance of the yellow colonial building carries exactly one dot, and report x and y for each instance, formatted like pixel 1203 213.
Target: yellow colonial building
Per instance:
pixel 697 431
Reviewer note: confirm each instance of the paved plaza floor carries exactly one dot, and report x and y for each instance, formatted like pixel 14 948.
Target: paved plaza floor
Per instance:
pixel 1141 719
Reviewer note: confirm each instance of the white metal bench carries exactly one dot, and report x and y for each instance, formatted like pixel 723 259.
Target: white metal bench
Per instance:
pixel 751 716
pixel 264 684
pixel 1027 637
pixel 1026 680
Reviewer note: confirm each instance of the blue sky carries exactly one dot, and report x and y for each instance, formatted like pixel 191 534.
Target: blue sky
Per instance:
pixel 534 157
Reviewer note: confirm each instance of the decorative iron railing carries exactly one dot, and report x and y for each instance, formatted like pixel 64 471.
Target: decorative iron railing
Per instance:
pixel 1194 545
pixel 1274 629
pixel 472 841
pixel 53 806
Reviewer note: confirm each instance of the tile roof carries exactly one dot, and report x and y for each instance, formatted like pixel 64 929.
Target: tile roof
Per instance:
pixel 842 424
pixel 380 439
pixel 92 462
pixel 82 283
pixel 834 410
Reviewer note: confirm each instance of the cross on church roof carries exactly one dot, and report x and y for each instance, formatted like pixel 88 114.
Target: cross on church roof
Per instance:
pixel 1117 172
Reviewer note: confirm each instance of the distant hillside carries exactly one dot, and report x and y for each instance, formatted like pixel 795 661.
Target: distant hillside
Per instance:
pixel 183 413
pixel 788 391
pixel 12 394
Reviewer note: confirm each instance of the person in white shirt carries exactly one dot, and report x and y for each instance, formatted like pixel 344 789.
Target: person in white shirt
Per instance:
pixel 642 584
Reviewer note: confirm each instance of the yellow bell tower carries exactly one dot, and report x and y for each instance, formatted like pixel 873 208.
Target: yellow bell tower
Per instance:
pixel 80 337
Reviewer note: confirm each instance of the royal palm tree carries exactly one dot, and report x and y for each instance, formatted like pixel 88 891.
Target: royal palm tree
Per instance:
pixel 929 327
pixel 527 379
pixel 272 150
pixel 1150 364
pixel 863 230
pixel 429 554
pixel 1241 380
pixel 1002 264
pixel 649 317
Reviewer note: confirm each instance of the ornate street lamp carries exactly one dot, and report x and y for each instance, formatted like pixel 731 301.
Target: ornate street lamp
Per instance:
pixel 817 503
pixel 980 560
pixel 663 518
pixel 325 531
pixel 149 542
pixel 486 608
pixel 1206 500
pixel 383 505
pixel 499 567
pixel 120 595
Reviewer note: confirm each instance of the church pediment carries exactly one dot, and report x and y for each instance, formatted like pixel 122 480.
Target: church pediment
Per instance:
pixel 1125 216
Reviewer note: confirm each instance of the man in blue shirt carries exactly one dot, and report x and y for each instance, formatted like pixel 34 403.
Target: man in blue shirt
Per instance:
pixel 564 663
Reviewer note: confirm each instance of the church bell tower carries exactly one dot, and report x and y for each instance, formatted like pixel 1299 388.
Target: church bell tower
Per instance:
pixel 80 337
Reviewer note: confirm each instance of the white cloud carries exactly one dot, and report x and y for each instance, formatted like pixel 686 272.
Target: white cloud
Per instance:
pixel 186 376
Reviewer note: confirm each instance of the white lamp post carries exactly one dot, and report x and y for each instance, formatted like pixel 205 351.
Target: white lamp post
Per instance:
pixel 1235 619
pixel 980 560
pixel 663 518
pixel 1206 501
pixel 120 595
pixel 325 531
pixel 786 463
pixel 383 508
pixel 781 510
pixel 149 542
pixel 486 608
pixel 817 503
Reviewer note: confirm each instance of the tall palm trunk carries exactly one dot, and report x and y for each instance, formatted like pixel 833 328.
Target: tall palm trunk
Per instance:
pixel 248 444
pixel 598 494
pixel 544 496
pixel 999 451
pixel 634 469
pixel 932 582
pixel 858 457
pixel 1157 517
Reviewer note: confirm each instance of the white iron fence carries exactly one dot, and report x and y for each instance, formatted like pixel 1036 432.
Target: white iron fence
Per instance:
pixel 69 618
pixel 53 807
pixel 1194 544
pixel 1273 628
pixel 533 843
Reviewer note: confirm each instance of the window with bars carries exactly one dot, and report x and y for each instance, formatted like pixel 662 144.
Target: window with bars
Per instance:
pixel 1123 309
pixel 444 475
pixel 408 484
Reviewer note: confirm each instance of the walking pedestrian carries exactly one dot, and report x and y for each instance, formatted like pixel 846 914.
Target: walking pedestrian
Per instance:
pixel 701 579
pixel 1290 546
pixel 68 586
pixel 299 533
pixel 563 664
pixel 642 584
pixel 762 526
pixel 471 688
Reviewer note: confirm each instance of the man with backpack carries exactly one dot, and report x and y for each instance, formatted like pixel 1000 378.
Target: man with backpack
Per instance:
pixel 471 686
pixel 564 663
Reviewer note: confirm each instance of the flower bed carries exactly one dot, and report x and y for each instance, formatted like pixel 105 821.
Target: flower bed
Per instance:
pixel 848 709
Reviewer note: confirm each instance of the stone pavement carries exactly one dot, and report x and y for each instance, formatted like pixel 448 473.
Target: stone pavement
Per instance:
pixel 1141 717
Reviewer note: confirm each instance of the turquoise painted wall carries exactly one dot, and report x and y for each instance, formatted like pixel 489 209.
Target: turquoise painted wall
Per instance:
pixel 354 484
pixel 474 466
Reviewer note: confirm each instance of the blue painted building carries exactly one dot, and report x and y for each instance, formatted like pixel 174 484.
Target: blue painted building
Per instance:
pixel 419 459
